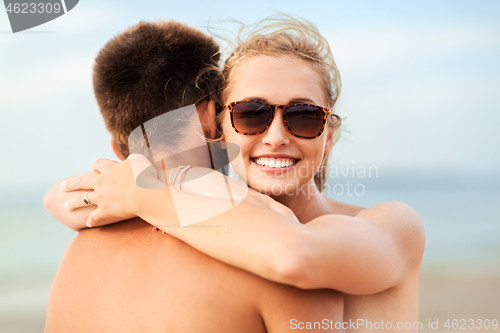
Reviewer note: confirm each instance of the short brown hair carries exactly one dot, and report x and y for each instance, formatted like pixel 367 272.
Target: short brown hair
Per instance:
pixel 149 69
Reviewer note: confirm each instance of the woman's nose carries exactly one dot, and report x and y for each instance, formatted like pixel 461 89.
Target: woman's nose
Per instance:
pixel 277 134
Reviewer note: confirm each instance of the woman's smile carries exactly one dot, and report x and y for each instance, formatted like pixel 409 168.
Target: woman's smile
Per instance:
pixel 278 163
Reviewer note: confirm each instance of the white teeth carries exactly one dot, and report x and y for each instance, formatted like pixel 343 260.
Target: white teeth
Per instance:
pixel 273 163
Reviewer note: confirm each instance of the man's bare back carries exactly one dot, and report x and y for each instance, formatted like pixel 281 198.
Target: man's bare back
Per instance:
pixel 126 278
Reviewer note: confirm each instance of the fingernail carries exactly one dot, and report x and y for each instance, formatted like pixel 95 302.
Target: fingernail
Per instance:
pixel 63 185
pixel 66 205
pixel 88 225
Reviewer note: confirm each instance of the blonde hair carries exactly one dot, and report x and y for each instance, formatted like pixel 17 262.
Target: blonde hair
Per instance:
pixel 282 35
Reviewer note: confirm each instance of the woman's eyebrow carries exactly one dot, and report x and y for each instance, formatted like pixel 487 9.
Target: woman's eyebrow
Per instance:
pixel 301 100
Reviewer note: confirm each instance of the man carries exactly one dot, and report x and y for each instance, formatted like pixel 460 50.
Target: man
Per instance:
pixel 124 277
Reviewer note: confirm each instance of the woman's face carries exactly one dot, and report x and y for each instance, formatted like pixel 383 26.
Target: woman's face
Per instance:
pixel 276 80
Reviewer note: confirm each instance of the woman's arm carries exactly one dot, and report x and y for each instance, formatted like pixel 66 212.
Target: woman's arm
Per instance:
pixel 358 255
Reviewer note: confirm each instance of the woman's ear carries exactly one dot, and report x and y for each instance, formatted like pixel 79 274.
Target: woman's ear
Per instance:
pixel 206 113
pixel 116 151
pixel 329 139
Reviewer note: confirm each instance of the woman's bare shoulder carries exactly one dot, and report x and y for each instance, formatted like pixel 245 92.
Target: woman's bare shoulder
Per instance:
pixel 342 208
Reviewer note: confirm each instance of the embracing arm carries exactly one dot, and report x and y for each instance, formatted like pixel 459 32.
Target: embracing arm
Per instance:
pixel 365 254
pixel 358 255
pixel 116 195
pixel 238 237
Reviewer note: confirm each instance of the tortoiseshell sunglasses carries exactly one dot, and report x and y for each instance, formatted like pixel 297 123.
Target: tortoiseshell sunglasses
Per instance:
pixel 302 120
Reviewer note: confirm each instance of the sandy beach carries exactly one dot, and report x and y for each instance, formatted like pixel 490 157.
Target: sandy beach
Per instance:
pixel 458 295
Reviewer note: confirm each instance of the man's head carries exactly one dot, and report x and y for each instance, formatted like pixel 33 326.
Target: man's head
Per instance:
pixel 149 69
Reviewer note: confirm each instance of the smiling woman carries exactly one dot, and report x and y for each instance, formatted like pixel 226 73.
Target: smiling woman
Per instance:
pixel 265 152
pixel 277 105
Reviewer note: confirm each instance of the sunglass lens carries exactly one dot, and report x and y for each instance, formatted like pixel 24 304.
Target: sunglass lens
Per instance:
pixel 305 120
pixel 251 117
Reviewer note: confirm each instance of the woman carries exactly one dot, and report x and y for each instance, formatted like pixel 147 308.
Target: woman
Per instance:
pixel 280 89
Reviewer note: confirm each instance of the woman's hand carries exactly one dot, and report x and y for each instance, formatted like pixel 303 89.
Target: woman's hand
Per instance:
pixel 114 192
pixel 54 202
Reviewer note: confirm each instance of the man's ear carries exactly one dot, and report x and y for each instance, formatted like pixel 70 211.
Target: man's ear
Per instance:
pixel 115 149
pixel 206 113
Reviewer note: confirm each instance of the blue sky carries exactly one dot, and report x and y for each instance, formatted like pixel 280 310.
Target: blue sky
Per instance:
pixel 420 82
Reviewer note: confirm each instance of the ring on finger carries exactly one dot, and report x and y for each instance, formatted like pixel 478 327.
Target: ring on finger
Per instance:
pixel 86 201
